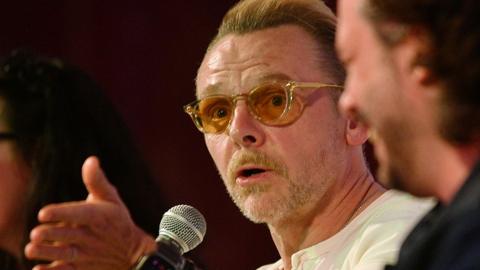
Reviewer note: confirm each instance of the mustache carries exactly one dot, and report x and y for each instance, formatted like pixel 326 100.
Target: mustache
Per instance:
pixel 249 157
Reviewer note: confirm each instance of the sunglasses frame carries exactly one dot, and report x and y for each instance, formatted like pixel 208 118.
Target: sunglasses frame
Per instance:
pixel 289 87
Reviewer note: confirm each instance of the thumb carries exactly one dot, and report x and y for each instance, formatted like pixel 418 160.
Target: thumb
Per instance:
pixel 97 183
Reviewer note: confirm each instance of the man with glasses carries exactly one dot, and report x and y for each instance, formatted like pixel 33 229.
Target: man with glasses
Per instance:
pixel 413 78
pixel 267 91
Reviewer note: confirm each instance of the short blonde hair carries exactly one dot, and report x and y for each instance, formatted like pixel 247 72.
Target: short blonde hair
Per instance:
pixel 311 15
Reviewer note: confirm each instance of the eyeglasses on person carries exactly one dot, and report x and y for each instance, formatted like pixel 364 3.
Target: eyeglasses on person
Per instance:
pixel 273 104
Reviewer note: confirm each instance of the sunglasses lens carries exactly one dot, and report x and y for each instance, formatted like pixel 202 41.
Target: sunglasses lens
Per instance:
pixel 213 114
pixel 269 103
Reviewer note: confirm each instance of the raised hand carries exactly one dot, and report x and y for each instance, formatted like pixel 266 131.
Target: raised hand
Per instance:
pixel 97 233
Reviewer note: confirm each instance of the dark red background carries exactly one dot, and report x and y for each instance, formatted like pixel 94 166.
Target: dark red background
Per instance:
pixel 145 54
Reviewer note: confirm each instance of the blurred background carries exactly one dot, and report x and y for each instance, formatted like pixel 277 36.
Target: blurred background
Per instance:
pixel 145 55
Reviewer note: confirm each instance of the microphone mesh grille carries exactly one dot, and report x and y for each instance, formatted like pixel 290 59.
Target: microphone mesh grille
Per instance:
pixel 184 223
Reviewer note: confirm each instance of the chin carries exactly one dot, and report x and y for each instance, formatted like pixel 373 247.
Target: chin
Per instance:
pixel 258 209
pixel 271 206
pixel 383 176
pixel 255 202
pixel 390 178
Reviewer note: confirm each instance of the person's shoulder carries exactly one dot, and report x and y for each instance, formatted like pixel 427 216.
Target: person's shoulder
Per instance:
pixel 452 239
pixel 397 206
pixel 382 227
pixel 389 219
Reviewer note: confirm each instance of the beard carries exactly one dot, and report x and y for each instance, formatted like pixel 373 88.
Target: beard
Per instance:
pixel 396 155
pixel 280 199
pixel 390 177
pixel 262 202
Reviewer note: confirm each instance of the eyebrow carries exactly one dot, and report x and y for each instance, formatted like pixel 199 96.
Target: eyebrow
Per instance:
pixel 216 89
pixel 274 77
pixel 212 89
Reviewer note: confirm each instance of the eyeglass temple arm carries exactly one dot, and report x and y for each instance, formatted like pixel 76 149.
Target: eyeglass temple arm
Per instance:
pixel 313 85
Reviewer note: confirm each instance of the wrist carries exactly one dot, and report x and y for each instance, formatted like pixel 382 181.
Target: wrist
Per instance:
pixel 145 246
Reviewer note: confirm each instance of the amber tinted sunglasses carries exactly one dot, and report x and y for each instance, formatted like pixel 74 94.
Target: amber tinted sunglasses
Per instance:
pixel 272 104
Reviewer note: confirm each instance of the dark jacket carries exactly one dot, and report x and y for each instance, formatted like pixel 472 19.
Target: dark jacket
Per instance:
pixel 448 237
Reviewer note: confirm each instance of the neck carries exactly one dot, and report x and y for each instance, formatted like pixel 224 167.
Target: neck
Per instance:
pixel 454 168
pixel 328 216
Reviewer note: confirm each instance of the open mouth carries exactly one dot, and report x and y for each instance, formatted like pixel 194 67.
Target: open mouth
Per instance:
pixel 250 172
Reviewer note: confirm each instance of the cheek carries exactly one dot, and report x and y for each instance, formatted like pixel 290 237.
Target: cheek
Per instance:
pixel 354 89
pixel 317 131
pixel 357 85
pixel 371 92
pixel 219 150
pixel 13 194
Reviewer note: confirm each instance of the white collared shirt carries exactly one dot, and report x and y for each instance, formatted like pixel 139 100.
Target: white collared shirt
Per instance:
pixel 369 241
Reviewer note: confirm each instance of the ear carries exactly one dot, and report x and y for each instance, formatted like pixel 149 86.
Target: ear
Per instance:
pixel 413 53
pixel 422 74
pixel 356 133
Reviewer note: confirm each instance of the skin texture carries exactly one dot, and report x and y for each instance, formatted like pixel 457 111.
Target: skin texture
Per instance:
pixel 397 98
pixel 90 234
pixel 14 182
pixel 314 182
pixel 235 68
pixel 310 166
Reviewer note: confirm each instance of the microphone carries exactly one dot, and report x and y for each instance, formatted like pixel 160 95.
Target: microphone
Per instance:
pixel 182 228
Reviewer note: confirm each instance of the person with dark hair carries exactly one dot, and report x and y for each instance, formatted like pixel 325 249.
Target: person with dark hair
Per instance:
pixel 267 93
pixel 413 78
pixel 52 117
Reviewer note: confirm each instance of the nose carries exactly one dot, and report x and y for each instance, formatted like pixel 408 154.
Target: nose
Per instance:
pixel 244 129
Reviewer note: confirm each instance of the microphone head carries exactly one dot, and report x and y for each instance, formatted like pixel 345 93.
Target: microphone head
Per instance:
pixel 185 225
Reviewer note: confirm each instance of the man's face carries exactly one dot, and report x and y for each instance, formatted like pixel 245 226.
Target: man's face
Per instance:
pixel 376 93
pixel 273 173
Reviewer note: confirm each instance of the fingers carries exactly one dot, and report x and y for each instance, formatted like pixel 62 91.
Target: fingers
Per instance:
pixel 97 183
pixel 49 233
pixel 96 231
pixel 79 213
pixel 53 252
pixel 54 242
pixel 98 207
pixel 57 265
pixel 95 253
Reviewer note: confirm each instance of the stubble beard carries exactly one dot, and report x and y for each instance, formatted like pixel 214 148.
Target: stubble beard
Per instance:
pixel 399 166
pixel 276 207
pixel 262 202
pixel 390 177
